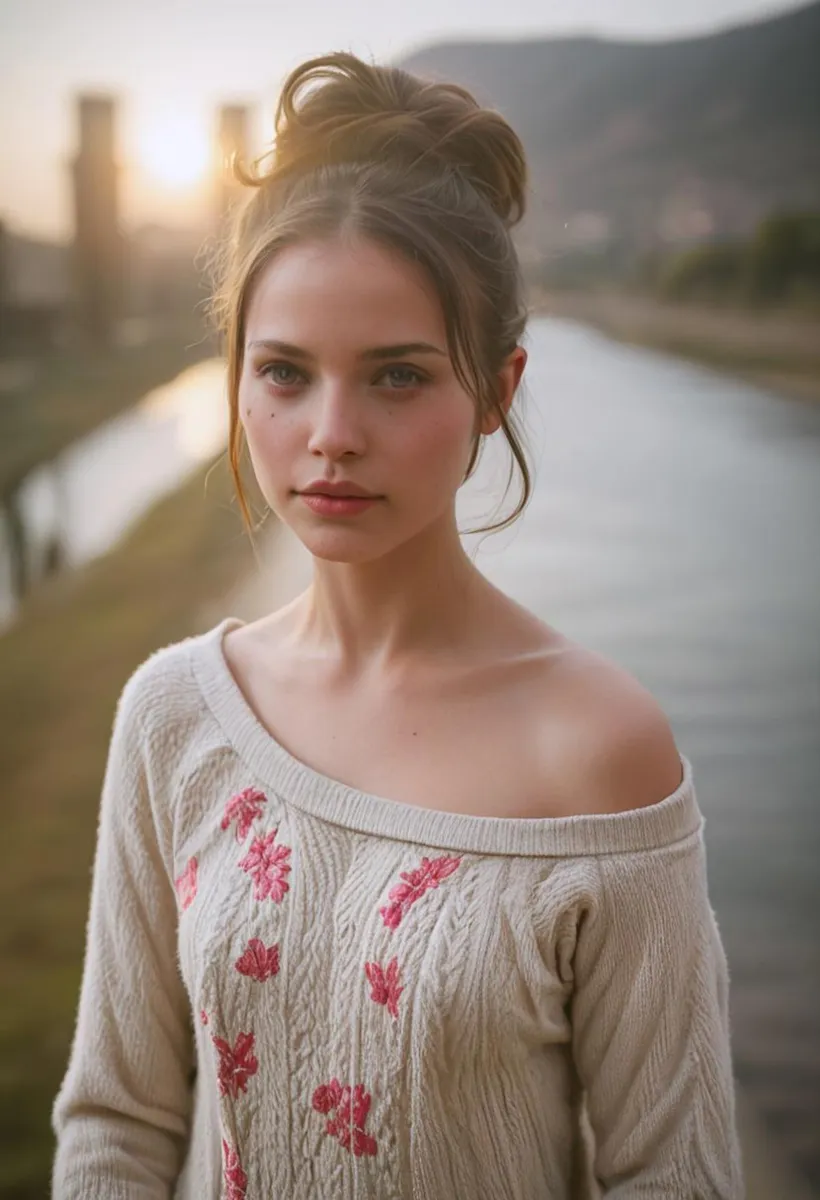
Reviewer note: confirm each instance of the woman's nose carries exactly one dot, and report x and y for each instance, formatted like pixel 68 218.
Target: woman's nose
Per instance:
pixel 336 421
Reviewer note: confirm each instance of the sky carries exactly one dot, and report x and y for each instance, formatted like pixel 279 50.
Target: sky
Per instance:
pixel 171 62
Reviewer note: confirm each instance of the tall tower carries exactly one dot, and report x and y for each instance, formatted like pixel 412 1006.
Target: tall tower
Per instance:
pixel 98 243
pixel 232 138
pixel 5 298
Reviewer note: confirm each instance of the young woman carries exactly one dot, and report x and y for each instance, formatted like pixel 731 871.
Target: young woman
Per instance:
pixel 399 893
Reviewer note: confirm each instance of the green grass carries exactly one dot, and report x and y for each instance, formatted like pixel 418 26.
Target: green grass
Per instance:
pixel 62 667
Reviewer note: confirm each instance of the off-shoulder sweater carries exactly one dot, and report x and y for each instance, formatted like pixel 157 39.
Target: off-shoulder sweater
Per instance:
pixel 295 989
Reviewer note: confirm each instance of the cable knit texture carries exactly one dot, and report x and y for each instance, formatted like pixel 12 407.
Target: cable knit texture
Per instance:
pixel 295 989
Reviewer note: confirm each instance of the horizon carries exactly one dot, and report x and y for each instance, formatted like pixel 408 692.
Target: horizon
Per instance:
pixel 197 57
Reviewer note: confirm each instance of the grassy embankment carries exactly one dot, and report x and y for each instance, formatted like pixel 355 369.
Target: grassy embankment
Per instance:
pixel 777 350
pixel 62 666
pixel 72 392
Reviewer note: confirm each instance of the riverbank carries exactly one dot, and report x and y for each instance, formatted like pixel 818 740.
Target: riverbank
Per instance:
pixel 779 351
pixel 48 403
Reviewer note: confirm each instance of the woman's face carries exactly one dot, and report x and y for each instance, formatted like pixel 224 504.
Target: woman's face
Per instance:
pixel 346 377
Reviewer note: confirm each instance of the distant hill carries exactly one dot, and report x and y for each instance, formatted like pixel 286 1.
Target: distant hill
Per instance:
pixel 652 143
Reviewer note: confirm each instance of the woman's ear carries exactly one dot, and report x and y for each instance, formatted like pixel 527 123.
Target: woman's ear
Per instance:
pixel 509 378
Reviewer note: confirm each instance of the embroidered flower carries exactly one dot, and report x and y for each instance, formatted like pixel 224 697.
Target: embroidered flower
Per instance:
pixel 236 1064
pixel 203 1016
pixel 416 883
pixel 384 985
pixel 243 808
pixel 186 884
pixel 236 1181
pixel 267 866
pixel 327 1096
pixel 258 961
pixel 351 1108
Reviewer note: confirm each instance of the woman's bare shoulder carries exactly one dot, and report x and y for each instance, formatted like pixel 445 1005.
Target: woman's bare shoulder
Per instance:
pixel 618 751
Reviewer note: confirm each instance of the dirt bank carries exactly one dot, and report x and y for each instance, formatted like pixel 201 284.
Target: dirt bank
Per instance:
pixel 777 350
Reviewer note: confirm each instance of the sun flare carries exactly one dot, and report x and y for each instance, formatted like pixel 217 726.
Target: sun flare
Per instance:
pixel 175 153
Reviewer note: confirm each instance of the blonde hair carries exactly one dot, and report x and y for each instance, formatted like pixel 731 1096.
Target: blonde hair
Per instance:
pixel 417 166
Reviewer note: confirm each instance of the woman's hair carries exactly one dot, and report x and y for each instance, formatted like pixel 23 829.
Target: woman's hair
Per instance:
pixel 416 166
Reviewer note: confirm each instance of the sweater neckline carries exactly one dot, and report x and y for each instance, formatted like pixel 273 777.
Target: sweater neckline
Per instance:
pixel 672 818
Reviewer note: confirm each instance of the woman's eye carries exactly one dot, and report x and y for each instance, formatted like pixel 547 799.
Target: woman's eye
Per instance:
pixel 403 376
pixel 282 374
pixel 285 375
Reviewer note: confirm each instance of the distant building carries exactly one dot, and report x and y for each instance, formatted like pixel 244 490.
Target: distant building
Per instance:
pixel 98 244
pixel 165 271
pixel 35 291
pixel 232 141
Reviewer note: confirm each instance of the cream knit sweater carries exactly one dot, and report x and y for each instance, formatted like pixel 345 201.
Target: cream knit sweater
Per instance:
pixel 297 991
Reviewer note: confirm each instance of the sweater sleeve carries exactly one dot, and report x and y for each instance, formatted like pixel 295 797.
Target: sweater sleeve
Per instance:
pixel 122 1113
pixel 650 1030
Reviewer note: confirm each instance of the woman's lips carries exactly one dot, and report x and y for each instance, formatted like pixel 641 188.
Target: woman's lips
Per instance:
pixel 337 506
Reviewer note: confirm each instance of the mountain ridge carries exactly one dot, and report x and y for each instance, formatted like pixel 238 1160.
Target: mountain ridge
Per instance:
pixel 663 141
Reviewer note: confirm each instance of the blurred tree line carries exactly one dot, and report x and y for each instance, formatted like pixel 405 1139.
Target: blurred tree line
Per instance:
pixel 779 264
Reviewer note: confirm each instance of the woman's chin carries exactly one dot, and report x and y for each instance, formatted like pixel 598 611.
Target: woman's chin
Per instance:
pixel 339 545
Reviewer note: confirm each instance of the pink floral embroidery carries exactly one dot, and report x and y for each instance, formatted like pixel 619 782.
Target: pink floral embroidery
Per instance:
pixel 236 1064
pixel 203 1016
pixel 258 960
pixel 428 875
pixel 186 884
pixel 351 1107
pixel 243 808
pixel 267 865
pixel 384 985
pixel 236 1181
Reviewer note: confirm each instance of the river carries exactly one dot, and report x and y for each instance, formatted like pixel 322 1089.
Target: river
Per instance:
pixel 675 526
pixel 79 505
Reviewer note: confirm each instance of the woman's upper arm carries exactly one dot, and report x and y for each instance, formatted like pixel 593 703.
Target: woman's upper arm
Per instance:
pixel 650 1029
pixel 122 1113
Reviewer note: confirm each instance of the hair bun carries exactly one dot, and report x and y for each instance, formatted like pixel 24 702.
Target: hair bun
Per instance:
pixel 337 108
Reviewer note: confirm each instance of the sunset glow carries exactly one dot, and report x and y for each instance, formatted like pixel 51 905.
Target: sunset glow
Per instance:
pixel 174 153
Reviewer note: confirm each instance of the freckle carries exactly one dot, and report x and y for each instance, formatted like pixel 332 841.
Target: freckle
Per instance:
pixel 247 412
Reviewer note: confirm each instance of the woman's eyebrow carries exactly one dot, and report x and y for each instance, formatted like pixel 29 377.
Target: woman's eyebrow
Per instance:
pixel 377 352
